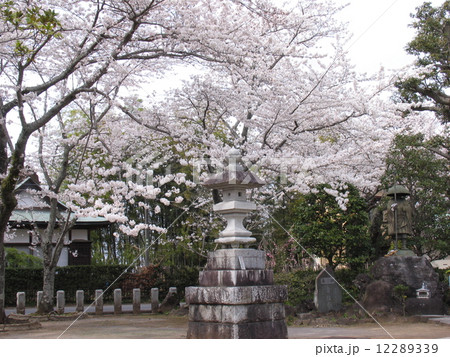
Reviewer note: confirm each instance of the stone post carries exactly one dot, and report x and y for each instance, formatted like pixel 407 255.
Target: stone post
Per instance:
pixel 155 299
pixel 20 303
pixel 60 301
pixel 99 302
pixel 79 301
pixel 117 301
pixel 136 301
pixel 39 295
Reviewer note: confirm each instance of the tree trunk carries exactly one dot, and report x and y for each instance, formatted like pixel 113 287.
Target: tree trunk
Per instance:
pixel 8 201
pixel 2 283
pixel 48 289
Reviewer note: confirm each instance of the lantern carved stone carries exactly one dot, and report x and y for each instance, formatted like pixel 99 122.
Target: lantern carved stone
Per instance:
pixel 233 183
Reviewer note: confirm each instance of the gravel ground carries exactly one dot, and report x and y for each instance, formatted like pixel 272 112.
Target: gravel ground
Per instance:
pixel 147 326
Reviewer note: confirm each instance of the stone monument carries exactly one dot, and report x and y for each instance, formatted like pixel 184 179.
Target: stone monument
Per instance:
pixel 399 218
pixel 403 267
pixel 236 297
pixel 328 293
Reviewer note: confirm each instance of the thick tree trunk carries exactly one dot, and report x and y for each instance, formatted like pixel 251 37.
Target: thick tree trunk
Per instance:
pixel 48 289
pixel 8 200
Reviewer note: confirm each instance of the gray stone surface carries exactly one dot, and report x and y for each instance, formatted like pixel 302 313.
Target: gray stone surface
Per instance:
pixel 411 272
pixel 136 301
pixel 79 300
pixel 237 313
pixel 117 301
pixel 39 296
pixel 98 302
pixel 249 330
pixel 60 301
pixel 236 298
pixel 378 297
pixel 408 271
pixel 433 306
pixel 20 303
pixel 154 292
pixel 236 277
pixel 228 259
pixel 236 295
pixel 328 293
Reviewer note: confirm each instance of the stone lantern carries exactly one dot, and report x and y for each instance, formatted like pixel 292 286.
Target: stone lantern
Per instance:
pixel 233 183
pixel 236 297
pixel 399 217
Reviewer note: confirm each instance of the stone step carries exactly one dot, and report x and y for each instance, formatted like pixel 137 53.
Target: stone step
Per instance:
pixel 236 313
pixel 265 329
pixel 236 295
pixel 236 277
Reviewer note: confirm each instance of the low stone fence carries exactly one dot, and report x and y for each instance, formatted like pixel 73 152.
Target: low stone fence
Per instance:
pixel 168 303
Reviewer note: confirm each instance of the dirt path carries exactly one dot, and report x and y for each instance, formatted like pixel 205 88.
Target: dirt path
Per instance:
pixel 147 326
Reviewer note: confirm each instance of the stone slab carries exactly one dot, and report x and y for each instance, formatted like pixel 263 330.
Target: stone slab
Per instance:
pixel 228 259
pixel 266 329
pixel 417 306
pixel 236 313
pixel 236 295
pixel 328 293
pixel 236 277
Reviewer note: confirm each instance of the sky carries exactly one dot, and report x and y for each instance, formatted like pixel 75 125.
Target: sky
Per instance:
pixel 380 32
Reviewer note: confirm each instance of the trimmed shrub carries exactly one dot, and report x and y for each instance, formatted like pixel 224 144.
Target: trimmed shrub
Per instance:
pixel 106 277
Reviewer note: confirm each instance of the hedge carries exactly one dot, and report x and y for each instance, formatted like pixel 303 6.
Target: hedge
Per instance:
pixel 92 277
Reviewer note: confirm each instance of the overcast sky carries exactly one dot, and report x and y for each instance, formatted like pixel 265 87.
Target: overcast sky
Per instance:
pixel 380 29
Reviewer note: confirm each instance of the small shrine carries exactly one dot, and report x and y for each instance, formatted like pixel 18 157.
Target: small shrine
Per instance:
pixel 423 292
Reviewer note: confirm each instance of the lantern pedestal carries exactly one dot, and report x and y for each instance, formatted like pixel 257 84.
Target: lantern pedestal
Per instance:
pixel 236 298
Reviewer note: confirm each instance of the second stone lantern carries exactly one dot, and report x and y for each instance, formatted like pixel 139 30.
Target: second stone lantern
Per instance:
pixel 236 297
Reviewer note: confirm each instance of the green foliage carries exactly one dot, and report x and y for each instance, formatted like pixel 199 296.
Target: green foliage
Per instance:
pixel 17 259
pixel 301 285
pixel 105 277
pixel 413 162
pixel 400 293
pixel 34 25
pixel 431 46
pixel 28 280
pixel 326 230
pixel 282 251
pixel 33 18
pixel 69 279
pixel 346 277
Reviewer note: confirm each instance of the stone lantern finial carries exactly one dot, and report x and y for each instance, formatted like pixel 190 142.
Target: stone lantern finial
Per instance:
pixel 233 182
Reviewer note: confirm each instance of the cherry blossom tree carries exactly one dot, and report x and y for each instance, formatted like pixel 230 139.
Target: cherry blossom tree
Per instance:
pixel 273 80
pixel 55 52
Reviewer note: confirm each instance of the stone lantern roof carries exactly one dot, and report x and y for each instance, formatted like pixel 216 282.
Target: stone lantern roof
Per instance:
pixel 234 175
pixel 398 190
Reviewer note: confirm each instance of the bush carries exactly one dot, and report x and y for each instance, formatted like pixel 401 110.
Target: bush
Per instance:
pixel 92 277
pixel 17 259
pixel 28 280
pixel 300 284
